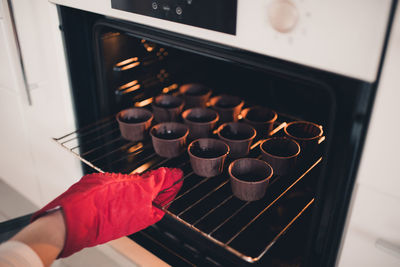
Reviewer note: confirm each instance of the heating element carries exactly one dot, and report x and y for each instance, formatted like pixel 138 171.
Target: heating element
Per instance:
pixel 206 205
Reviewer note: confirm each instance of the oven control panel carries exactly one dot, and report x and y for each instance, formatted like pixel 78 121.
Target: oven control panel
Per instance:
pixel 340 36
pixel 217 15
pixel 283 15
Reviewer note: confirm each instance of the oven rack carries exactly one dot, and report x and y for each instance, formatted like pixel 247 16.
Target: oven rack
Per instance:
pixel 101 147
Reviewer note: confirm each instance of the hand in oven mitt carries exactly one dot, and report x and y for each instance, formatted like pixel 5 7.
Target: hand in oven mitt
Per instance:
pixel 105 206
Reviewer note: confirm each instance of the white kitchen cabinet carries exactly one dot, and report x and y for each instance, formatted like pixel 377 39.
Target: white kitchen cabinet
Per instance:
pixel 372 232
pixel 379 165
pixel 373 236
pixel 6 75
pixel 32 40
pixel 31 161
pixel 16 162
pixel 51 113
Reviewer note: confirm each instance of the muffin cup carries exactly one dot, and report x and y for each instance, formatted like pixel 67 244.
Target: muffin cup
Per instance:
pixel 207 156
pixel 262 119
pixel 167 108
pixel 306 133
pixel 201 122
pixel 238 136
pixel 281 153
pixel 227 106
pixel 169 138
pixel 195 95
pixel 134 123
pixel 249 178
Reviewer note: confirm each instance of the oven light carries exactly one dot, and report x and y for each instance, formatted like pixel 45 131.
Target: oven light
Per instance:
pixel 127 64
pixel 127 85
pixel 131 89
pixel 277 129
pixel 143 167
pixel 322 139
pixel 144 102
pixel 148 46
pixel 126 61
pixel 130 66
pixel 135 148
pixel 170 88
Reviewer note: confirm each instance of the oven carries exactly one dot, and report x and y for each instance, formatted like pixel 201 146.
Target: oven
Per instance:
pixel 122 54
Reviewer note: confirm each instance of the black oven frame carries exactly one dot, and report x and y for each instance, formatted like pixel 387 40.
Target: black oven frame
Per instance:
pixel 352 105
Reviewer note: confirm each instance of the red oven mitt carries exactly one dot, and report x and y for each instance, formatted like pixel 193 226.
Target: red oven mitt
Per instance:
pixel 103 207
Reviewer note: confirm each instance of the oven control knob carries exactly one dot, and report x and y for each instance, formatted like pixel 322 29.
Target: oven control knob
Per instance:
pixel 283 15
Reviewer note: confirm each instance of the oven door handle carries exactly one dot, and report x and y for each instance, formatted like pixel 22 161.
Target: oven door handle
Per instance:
pixel 19 52
pixel 388 247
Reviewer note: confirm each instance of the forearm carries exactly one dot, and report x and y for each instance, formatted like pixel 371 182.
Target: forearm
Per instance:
pixel 46 236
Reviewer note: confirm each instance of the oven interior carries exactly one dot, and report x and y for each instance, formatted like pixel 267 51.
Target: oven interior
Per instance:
pixel 136 69
pixel 116 65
